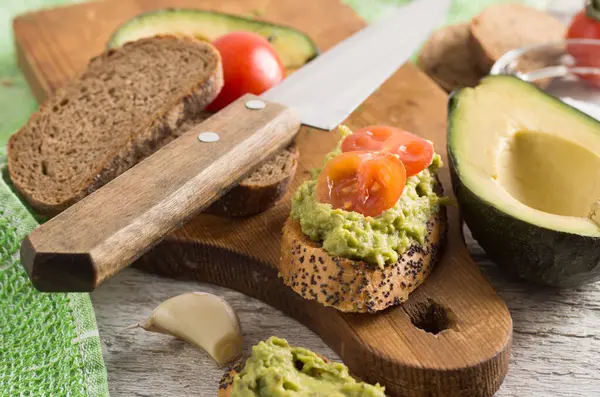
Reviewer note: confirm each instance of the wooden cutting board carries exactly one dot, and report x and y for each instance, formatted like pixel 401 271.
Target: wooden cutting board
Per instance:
pixel 453 336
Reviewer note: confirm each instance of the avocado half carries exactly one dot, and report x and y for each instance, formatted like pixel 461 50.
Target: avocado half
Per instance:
pixel 294 48
pixel 526 172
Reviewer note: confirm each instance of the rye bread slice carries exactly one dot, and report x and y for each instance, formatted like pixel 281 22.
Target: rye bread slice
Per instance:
pixel 124 106
pixel 260 190
pixel 448 59
pixel 504 27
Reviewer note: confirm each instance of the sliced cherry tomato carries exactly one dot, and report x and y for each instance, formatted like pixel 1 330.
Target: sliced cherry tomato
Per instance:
pixel 364 182
pixel 250 66
pixel 585 27
pixel 415 152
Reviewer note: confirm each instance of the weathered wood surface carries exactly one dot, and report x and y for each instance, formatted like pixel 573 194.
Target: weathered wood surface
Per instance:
pixel 556 340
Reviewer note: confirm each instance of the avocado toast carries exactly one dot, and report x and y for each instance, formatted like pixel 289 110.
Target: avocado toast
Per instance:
pixel 277 369
pixel 335 254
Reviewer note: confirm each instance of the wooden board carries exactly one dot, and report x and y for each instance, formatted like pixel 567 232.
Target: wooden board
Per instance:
pixel 453 336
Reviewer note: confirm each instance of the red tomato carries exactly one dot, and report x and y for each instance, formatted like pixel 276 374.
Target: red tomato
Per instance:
pixel 365 182
pixel 415 152
pixel 250 66
pixel 584 27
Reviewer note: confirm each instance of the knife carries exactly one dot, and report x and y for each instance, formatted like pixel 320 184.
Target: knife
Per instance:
pixel 106 231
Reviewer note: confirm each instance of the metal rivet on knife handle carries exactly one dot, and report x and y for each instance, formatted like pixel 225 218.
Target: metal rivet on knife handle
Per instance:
pixel 208 137
pixel 255 104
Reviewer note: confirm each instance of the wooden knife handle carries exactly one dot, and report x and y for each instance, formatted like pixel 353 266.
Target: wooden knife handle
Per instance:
pixel 103 233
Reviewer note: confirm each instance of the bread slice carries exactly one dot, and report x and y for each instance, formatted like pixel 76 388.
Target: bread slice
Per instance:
pixel 448 59
pixel 260 190
pixel 124 106
pixel 356 286
pixel 504 27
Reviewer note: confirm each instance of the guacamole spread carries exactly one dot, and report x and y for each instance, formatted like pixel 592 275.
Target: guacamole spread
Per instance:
pixel 378 240
pixel 276 369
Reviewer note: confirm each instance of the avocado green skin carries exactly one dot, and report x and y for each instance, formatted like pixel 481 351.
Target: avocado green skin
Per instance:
pixel 543 256
pixel 175 11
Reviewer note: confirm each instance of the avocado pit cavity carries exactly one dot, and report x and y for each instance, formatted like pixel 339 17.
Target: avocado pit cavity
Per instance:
pixel 549 173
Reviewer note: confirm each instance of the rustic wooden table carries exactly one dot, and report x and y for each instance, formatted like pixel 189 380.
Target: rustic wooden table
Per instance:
pixel 556 348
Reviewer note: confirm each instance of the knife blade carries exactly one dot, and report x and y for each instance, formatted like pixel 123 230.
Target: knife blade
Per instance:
pixel 106 231
pixel 328 89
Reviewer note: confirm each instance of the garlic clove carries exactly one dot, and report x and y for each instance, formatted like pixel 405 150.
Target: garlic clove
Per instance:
pixel 204 320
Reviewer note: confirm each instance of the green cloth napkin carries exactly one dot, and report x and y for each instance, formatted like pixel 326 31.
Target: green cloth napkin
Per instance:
pixel 49 343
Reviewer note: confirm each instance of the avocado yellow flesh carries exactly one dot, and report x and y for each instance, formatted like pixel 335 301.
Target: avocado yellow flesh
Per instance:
pixel 526 172
pixel 532 153
pixel 549 173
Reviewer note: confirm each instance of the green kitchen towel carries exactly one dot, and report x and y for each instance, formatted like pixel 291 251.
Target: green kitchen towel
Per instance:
pixel 49 343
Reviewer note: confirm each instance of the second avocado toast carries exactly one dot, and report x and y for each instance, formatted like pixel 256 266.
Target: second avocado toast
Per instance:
pixel 276 368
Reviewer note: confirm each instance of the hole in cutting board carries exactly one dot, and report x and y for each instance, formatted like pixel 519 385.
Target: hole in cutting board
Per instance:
pixel 432 317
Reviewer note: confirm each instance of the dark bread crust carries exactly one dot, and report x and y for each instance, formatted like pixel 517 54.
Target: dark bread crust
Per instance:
pixel 149 136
